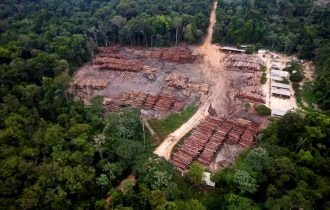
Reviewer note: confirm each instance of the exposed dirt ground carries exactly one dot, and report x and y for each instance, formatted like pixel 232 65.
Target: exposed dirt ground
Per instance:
pixel 276 103
pixel 208 68
pixel 120 82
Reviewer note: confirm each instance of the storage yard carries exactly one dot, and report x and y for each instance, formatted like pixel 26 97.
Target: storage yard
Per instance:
pixel 157 80
pixel 163 80
pixel 160 81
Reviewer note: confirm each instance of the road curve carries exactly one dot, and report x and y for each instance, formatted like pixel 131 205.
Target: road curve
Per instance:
pixel 166 147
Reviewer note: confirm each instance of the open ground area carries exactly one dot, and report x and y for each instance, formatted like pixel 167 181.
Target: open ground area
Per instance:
pixel 162 80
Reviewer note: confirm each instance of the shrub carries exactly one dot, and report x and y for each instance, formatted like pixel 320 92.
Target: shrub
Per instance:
pixel 250 49
pixel 296 76
pixel 263 110
pixel 263 68
pixel 263 78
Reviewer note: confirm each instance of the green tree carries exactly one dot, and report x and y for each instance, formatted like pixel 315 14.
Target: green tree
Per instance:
pixel 244 182
pixel 195 173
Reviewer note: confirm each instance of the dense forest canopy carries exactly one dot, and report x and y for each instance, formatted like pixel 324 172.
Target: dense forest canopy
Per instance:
pixel 56 153
pixel 291 26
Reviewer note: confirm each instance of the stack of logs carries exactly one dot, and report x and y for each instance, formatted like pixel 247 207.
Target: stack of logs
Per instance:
pixel 150 102
pixel 202 87
pixel 111 105
pixel 177 80
pixel 182 82
pixel 115 64
pixel 90 82
pixel 252 90
pixel 149 72
pixel 251 96
pixel 178 54
pixel 247 138
pixel 205 142
pixel 164 103
pixel 161 103
pixel 195 143
pixel 242 62
pixel 110 52
pixel 235 135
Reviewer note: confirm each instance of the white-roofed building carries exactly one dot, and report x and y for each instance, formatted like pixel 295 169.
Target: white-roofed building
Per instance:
pixel 278 113
pixel 277 78
pixel 279 85
pixel 284 93
pixel 279 73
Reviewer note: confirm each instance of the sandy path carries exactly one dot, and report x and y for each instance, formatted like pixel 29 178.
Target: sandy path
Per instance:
pixel 212 69
pixel 165 148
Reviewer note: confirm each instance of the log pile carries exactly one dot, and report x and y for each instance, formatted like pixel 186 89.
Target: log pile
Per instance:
pixel 234 135
pixel 194 144
pixel 247 63
pixel 247 139
pixel 225 127
pixel 149 72
pixel 251 96
pixel 110 52
pixel 177 81
pixel 211 148
pixel 164 103
pixel 202 87
pixel 182 82
pixel 243 62
pixel 205 142
pixel 111 105
pixel 150 101
pixel 178 106
pixel 90 82
pixel 115 64
pixel 177 54
pixel 254 79
pixel 161 103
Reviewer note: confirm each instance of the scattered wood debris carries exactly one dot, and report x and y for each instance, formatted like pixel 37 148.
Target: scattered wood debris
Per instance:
pixel 178 81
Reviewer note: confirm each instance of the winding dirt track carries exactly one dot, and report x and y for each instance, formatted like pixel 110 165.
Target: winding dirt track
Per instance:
pixel 212 69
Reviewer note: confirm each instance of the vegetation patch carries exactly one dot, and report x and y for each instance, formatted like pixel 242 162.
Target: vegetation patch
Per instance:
pixel 296 74
pixel 263 78
pixel 163 127
pixel 263 68
pixel 263 110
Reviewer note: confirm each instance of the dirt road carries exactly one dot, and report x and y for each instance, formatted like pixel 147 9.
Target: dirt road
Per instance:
pixel 212 67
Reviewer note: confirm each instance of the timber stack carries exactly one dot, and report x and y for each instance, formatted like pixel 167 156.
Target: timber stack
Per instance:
pixel 243 62
pixel 90 82
pixel 177 54
pixel 208 138
pixel 195 143
pixel 115 64
pixel 161 103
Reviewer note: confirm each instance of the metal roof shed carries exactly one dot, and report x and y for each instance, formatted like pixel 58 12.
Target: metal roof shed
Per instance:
pixel 279 73
pixel 280 85
pixel 281 92
pixel 277 78
pixel 278 113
